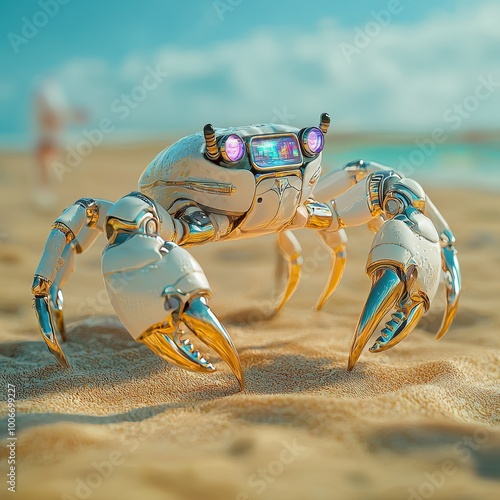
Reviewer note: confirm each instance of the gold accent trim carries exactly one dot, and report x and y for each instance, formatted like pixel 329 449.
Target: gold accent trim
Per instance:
pixel 92 213
pixel 119 226
pixel 324 122
pixel 374 193
pixel 274 169
pixel 41 286
pixel 356 171
pixel 281 173
pixel 320 215
pixel 68 233
pixel 419 205
pixel 91 210
pixel 196 231
pixel 314 177
pixel 166 327
pixel 212 151
pixel 375 266
pixel 340 222
pixel 202 186
pixel 77 247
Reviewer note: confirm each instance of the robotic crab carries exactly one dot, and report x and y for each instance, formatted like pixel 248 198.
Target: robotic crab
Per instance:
pixel 242 182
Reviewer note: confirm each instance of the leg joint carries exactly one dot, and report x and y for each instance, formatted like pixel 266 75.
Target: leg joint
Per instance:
pixel 319 214
pixel 41 286
pixel 91 210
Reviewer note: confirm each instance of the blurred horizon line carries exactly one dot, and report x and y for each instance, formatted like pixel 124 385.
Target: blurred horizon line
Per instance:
pixel 140 138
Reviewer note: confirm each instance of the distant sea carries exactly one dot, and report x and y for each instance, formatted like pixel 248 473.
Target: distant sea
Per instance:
pixel 456 164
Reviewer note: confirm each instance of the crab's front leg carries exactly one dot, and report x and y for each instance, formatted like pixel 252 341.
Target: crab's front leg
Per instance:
pixel 404 261
pixel 72 233
pixel 154 285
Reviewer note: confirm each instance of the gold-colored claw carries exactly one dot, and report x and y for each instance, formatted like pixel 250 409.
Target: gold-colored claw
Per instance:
pixel 200 319
pixel 290 252
pixel 387 289
pixel 168 346
pixel 451 268
pixel 339 261
pixel 46 326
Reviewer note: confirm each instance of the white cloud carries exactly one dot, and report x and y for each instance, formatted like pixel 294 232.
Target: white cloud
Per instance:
pixel 404 79
pixel 89 82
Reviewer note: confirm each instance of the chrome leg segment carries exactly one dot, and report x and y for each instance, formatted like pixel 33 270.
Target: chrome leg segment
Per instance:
pixel 46 326
pixel 73 232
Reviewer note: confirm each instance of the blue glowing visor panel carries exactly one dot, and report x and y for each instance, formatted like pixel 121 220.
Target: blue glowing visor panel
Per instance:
pixel 278 151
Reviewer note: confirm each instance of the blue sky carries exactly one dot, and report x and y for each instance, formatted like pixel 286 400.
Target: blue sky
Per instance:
pixel 234 62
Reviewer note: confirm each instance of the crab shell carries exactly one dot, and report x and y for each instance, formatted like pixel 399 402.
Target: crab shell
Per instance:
pixel 183 172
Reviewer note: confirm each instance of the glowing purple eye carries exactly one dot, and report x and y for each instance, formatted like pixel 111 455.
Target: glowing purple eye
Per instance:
pixel 232 148
pixel 315 140
pixel 312 141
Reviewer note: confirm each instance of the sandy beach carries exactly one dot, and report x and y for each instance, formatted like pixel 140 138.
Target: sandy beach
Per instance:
pixel 418 421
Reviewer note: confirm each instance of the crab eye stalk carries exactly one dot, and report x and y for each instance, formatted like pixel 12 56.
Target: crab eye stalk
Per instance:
pixel 312 141
pixel 324 122
pixel 232 148
pixel 212 152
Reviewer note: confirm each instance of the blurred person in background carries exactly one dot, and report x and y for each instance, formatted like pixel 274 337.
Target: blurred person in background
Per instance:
pixel 52 116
